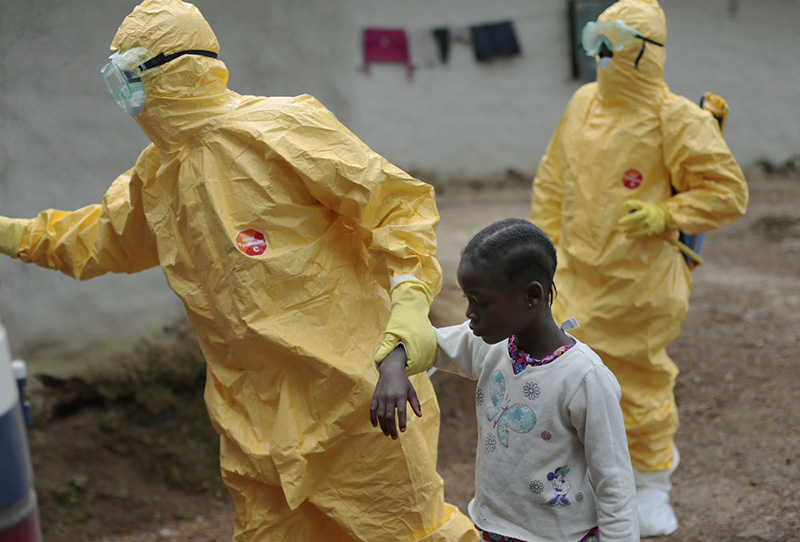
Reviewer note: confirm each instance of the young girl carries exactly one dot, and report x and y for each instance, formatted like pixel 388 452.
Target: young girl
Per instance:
pixel 552 461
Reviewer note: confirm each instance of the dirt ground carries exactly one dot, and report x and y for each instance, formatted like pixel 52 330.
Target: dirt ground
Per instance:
pixel 106 471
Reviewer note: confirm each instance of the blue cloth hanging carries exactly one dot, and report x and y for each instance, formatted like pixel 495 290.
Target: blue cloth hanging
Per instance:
pixel 494 40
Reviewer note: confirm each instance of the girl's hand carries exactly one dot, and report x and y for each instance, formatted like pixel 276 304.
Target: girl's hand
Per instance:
pixel 392 392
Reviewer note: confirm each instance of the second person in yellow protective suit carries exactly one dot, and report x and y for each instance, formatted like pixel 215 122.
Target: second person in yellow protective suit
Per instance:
pixel 631 165
pixel 293 247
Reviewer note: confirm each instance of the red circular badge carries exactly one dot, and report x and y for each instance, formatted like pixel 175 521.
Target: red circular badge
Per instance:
pixel 251 242
pixel 632 178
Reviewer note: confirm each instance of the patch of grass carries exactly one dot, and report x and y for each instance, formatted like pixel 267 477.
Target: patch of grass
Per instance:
pixel 73 494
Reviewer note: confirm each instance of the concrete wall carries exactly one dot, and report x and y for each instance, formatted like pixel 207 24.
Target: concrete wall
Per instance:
pixel 62 139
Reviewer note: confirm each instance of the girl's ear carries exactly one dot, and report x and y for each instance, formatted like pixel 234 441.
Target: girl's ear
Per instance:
pixel 535 293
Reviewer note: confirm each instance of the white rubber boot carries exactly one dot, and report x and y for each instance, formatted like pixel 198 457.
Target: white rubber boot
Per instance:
pixel 656 516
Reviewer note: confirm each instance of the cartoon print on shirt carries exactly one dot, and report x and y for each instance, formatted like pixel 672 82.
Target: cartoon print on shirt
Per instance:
pixel 517 417
pixel 561 486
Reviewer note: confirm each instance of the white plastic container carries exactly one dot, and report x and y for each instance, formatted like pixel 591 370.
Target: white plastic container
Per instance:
pixel 19 511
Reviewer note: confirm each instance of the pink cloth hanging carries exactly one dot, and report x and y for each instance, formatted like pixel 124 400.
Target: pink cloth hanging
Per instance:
pixel 387 45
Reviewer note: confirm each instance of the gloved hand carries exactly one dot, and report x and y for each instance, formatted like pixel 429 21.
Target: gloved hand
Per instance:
pixel 643 219
pixel 11 234
pixel 409 324
pixel 717 106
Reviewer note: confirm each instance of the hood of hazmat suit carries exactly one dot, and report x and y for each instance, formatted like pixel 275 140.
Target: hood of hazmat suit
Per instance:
pixel 281 232
pixel 627 136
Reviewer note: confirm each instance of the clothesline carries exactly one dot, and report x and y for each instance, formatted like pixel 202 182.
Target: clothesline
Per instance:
pixel 533 15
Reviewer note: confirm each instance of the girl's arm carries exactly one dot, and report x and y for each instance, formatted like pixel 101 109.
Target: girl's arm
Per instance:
pixel 457 351
pixel 392 392
pixel 597 417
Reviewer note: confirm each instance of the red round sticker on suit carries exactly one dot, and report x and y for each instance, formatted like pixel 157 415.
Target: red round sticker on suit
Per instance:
pixel 251 242
pixel 632 178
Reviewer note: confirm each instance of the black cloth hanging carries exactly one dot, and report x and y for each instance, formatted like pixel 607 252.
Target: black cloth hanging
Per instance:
pixel 442 37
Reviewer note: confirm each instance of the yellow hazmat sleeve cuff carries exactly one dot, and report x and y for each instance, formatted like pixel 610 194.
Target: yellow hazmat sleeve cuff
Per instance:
pixel 409 324
pixel 11 230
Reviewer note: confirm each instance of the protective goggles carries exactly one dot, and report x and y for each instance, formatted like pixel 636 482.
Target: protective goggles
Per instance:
pixel 615 35
pixel 122 73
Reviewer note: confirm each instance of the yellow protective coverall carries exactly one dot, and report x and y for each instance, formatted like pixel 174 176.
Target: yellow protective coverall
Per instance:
pixel 280 231
pixel 626 136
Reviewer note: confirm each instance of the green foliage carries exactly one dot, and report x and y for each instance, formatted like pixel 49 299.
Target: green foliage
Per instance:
pixel 73 494
pixel 79 481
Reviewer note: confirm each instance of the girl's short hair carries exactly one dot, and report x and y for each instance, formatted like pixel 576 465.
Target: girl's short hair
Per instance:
pixel 518 248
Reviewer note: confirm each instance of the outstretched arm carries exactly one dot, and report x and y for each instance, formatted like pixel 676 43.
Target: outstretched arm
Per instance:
pixel 112 236
pixel 392 392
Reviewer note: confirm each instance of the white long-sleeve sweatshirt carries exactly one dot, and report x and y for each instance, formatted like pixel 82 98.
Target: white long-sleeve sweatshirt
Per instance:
pixel 552 459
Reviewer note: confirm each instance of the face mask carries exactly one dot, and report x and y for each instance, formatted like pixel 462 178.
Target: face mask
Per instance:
pixel 135 102
pixel 122 75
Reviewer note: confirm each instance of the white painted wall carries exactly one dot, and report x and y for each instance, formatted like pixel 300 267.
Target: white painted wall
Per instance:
pixel 62 139
pixel 474 120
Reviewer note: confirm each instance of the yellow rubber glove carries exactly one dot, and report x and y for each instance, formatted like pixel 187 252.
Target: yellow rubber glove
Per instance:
pixel 717 106
pixel 409 324
pixel 643 219
pixel 11 234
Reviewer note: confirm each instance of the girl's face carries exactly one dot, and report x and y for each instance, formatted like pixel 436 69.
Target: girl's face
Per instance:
pixel 496 307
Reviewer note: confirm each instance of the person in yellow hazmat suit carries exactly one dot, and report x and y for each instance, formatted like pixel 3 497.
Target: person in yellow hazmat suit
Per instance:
pixel 297 252
pixel 630 166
